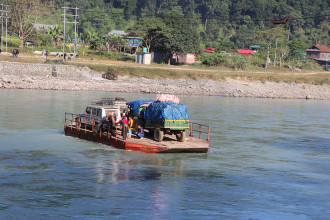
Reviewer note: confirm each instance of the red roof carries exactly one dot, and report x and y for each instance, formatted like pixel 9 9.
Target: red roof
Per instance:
pixel 323 48
pixel 245 51
pixel 210 50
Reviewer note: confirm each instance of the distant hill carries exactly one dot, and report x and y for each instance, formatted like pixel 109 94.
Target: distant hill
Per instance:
pixel 215 20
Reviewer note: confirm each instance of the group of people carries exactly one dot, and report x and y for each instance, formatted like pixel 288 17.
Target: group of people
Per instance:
pixel 127 126
pixel 15 53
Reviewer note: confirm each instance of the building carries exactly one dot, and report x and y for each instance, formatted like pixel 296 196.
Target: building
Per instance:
pixel 39 27
pixel 175 59
pixel 319 53
pixel 133 42
pixel 245 52
pixel 255 48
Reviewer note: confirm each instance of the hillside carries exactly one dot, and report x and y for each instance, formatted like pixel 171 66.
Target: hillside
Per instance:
pixel 214 20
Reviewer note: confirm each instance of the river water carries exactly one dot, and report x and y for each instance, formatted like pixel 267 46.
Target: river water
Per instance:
pixel 269 159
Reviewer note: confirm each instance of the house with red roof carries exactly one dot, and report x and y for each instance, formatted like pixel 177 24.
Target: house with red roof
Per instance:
pixel 319 53
pixel 245 52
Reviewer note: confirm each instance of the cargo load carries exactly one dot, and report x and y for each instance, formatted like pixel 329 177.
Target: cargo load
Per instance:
pixel 136 105
pixel 159 111
pixel 166 98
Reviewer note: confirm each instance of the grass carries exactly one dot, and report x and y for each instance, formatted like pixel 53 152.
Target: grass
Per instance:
pixel 163 71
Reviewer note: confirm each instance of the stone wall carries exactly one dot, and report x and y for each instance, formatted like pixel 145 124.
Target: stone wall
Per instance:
pixel 46 70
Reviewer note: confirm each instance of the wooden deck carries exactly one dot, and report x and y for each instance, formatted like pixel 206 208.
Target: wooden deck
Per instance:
pixel 171 145
pixel 191 144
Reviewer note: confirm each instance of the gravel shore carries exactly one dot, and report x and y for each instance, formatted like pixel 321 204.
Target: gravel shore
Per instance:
pixel 93 81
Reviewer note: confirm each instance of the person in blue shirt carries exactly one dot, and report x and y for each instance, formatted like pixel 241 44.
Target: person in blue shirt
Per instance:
pixel 140 132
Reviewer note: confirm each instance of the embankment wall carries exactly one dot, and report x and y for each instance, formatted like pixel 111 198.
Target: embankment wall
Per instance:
pixel 45 70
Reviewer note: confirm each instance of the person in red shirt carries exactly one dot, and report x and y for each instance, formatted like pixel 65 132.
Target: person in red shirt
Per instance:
pixel 124 124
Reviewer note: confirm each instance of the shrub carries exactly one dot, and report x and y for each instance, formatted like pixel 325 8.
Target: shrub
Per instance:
pixel 239 62
pixel 213 59
pixel 309 64
pixel 236 61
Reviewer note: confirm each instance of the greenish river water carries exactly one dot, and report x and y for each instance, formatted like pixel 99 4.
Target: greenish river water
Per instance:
pixel 269 159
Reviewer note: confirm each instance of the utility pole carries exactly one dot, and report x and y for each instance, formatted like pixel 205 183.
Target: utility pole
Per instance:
pixel 6 28
pixel 75 35
pixel 1 26
pixel 75 30
pixel 4 16
pixel 64 33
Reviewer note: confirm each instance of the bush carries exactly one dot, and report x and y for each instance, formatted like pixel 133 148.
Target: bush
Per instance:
pixel 309 64
pixel 239 62
pixel 213 59
pixel 236 61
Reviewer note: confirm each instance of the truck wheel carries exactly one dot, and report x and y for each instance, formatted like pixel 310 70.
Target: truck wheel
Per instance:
pixel 181 136
pixel 158 134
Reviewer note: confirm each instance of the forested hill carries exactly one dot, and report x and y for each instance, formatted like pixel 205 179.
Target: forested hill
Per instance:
pixel 214 20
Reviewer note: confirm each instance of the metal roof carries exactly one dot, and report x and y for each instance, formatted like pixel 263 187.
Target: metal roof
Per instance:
pixel 118 33
pixel 40 26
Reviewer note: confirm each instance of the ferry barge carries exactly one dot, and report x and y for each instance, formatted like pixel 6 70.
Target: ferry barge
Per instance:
pixel 171 142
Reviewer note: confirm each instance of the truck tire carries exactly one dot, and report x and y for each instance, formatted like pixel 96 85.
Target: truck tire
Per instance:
pixel 181 136
pixel 158 134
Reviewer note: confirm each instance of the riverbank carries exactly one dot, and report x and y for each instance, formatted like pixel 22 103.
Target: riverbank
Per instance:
pixel 66 77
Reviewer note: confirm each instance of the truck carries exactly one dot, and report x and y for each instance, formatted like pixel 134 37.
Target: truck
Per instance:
pixel 162 118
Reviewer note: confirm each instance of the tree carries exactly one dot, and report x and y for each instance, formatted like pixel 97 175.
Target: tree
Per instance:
pixel 180 37
pixel 226 46
pixel 282 50
pixel 268 37
pixel 112 41
pixel 85 36
pixel 148 29
pixel 55 32
pixel 24 15
pixel 297 46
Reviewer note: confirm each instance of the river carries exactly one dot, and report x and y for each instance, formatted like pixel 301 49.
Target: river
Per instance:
pixel 268 159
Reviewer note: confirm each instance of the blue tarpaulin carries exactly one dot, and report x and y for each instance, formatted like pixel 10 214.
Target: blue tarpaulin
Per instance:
pixel 135 105
pixel 158 111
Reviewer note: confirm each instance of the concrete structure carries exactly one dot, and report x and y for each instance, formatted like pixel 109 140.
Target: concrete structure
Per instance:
pixel 45 70
pixel 176 59
pixel 143 58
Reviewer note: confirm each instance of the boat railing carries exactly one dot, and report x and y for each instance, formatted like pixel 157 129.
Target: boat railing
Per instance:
pixel 74 121
pixel 199 131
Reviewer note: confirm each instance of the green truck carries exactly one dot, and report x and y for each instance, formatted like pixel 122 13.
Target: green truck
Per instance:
pixel 167 118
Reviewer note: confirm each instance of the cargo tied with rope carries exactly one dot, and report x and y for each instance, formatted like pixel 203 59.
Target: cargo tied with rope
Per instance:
pixel 167 117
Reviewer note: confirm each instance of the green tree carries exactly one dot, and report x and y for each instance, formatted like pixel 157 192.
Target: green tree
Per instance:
pixel 112 41
pixel 180 37
pixel 297 47
pixel 55 33
pixel 85 36
pixel 148 29
pixel 90 37
pixel 268 37
pixel 283 50
pixel 226 46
